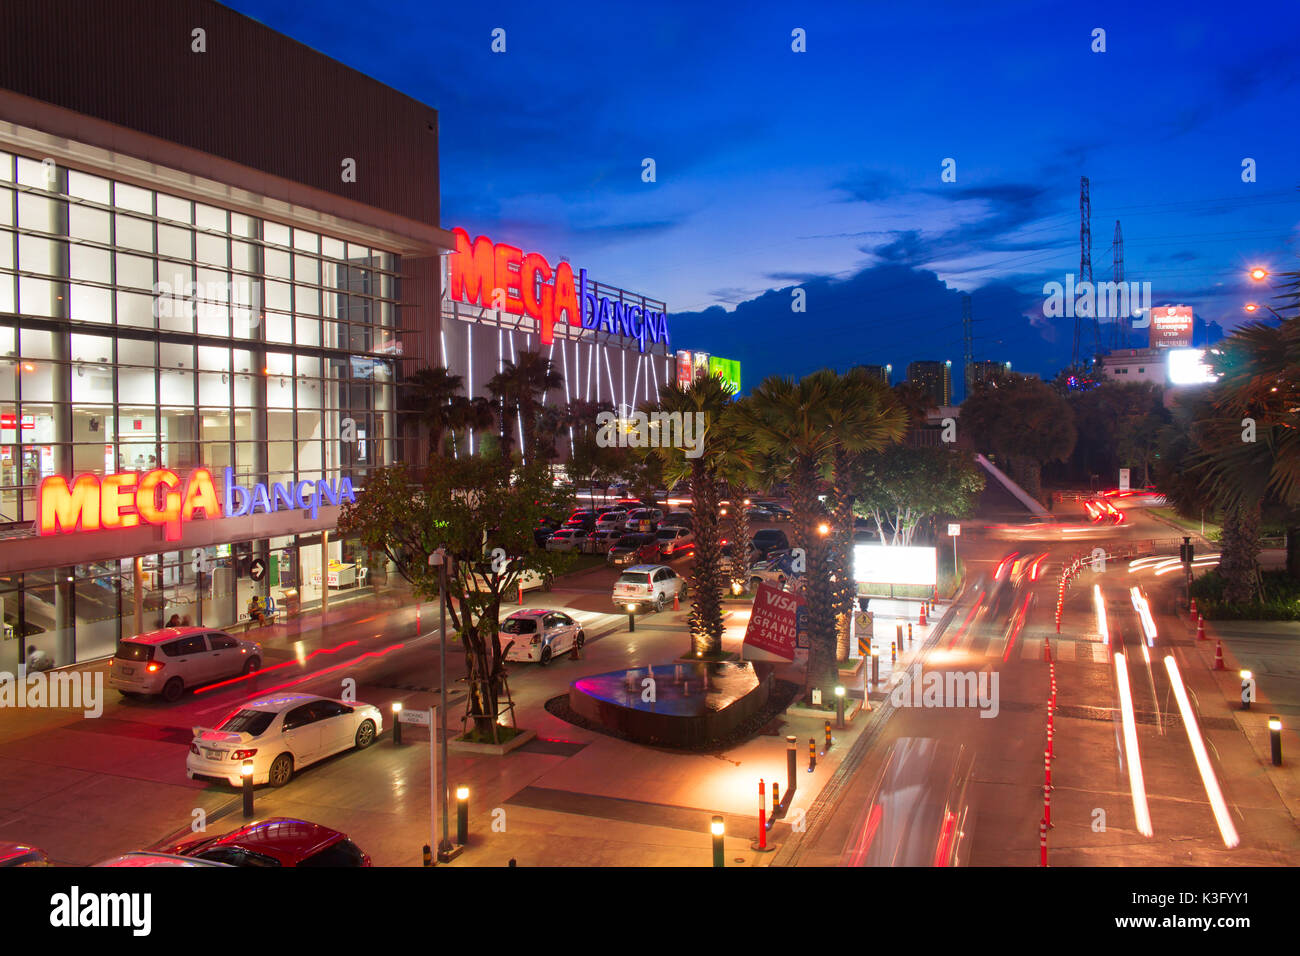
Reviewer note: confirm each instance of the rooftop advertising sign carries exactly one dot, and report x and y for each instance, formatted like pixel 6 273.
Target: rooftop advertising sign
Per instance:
pixel 503 277
pixel 161 497
pixel 1171 326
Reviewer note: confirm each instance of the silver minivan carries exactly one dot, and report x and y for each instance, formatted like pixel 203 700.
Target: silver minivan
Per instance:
pixel 169 660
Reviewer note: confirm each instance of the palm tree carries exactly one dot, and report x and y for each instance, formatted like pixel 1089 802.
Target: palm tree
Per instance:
pixel 434 394
pixel 864 416
pixel 711 399
pixel 521 387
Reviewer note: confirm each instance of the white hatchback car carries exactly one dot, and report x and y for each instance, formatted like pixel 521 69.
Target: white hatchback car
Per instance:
pixel 652 585
pixel 280 734
pixel 171 660
pixel 538 634
pixel 566 539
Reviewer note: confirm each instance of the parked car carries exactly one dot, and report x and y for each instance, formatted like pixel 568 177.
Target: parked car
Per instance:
pixel 770 540
pixel 277 841
pixel 528 579
pixel 20 854
pixel 566 539
pixel 776 569
pixel 170 660
pixel 729 555
pixel 760 513
pixel 644 519
pixel 674 541
pixel 648 585
pixel 538 634
pixel 638 548
pixel 613 519
pixel 545 527
pixel 147 858
pixel 281 734
pixel 778 512
pixel 599 542
pixel 677 519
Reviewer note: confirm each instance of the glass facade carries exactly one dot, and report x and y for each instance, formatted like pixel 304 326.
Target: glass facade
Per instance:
pixel 139 330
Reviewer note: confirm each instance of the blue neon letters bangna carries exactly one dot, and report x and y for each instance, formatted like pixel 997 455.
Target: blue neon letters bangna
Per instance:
pixel 619 318
pixel 307 495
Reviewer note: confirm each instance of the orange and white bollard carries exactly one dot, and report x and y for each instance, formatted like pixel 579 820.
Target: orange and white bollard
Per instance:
pixel 676 603
pixel 893 652
pixel 521 593
pixel 1047 768
pixel 909 629
pixel 1200 630
pixel 1192 611
pixel 1218 656
pixel 1047 806
pixel 921 621
pixel 762 816
pixel 1042 843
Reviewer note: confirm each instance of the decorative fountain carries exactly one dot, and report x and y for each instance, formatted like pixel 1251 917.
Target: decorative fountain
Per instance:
pixel 688 704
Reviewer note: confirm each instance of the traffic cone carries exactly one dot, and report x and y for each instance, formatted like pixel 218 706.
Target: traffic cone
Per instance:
pixel 1192 611
pixel 1218 656
pixel 676 603
pixel 922 621
pixel 1200 630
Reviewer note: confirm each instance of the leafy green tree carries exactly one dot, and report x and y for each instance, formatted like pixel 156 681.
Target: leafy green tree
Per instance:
pixel 1023 422
pixel 482 512
pixel 903 487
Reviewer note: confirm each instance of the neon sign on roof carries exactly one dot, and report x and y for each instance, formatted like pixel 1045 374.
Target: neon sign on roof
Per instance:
pixel 161 497
pixel 501 276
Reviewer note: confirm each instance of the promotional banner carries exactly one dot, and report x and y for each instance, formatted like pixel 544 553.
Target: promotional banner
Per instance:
pixel 1171 326
pixel 773 623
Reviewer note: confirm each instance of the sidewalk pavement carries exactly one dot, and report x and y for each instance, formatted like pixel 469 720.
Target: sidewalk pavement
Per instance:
pixel 575 797
pixel 1271 651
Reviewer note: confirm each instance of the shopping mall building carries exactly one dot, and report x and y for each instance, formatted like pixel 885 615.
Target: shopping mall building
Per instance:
pixel 217 248
pixel 220 254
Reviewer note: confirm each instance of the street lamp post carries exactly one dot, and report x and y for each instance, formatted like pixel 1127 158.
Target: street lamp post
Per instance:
pixel 439 560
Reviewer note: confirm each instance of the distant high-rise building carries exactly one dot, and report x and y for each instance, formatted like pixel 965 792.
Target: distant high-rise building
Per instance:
pixel 882 372
pixel 935 378
pixel 988 371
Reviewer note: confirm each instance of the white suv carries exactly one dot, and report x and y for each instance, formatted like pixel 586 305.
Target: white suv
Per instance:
pixel 171 660
pixel 648 585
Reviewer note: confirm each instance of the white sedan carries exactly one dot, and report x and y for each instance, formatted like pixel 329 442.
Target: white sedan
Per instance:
pixel 566 539
pixel 281 734
pixel 538 634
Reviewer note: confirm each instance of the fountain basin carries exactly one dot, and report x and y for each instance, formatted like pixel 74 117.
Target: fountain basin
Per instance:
pixel 694 703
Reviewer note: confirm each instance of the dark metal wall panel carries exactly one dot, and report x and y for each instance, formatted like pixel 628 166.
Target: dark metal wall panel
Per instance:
pixel 255 97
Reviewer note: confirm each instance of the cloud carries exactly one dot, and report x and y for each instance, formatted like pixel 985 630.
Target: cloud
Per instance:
pixel 869 186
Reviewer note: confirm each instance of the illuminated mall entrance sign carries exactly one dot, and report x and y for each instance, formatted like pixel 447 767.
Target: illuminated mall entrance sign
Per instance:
pixel 500 276
pixel 161 497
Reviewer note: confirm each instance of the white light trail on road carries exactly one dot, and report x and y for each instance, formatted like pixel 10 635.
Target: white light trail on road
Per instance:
pixel 1144 615
pixel 1100 603
pixel 1137 564
pixel 1211 782
pixel 1136 783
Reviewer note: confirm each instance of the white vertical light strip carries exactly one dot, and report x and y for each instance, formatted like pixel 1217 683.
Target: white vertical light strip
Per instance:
pixel 610 369
pixel 519 415
pixel 640 360
pixel 1221 813
pixel 622 372
pixel 656 381
pixel 591 350
pixel 469 390
pixel 564 357
pixel 1136 783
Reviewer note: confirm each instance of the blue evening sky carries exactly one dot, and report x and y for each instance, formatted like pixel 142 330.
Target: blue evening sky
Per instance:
pixel 822 169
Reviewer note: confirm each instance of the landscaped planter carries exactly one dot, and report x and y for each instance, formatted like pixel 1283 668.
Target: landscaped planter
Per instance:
pixel 469 747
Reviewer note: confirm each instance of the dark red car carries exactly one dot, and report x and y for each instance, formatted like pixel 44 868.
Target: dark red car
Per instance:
pixel 279 841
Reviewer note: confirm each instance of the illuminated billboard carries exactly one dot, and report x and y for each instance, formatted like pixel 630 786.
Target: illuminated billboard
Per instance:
pixel 685 368
pixel 1187 367
pixel 728 370
pixel 701 363
pixel 1171 327
pixel 895 564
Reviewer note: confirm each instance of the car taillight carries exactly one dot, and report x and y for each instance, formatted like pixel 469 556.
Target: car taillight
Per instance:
pixel 154 667
pixel 194 748
pixel 243 754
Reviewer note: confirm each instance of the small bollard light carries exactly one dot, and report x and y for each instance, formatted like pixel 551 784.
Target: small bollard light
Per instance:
pixel 1247 689
pixel 812 754
pixel 719 830
pixel 875 666
pixel 462 815
pixel 397 722
pixel 1275 739
pixel 428 855
pixel 246 771
pixel 631 617
pixel 839 707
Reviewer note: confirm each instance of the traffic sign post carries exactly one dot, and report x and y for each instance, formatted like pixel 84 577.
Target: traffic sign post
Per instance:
pixel 954 532
pixel 257 570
